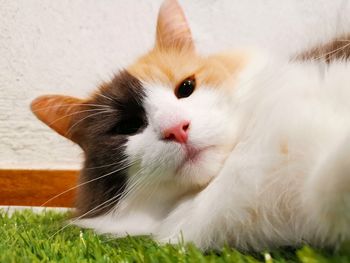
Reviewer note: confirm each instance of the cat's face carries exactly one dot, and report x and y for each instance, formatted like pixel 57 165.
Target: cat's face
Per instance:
pixel 188 111
pixel 166 119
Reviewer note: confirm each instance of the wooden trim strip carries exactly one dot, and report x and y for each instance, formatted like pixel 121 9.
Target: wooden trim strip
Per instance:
pixel 35 187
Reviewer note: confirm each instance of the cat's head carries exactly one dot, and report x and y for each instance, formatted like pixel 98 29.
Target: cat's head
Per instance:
pixel 165 121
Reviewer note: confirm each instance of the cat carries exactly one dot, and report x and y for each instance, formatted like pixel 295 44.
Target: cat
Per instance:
pixel 236 148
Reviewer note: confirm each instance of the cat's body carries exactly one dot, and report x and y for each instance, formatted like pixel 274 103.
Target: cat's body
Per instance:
pixel 235 148
pixel 286 181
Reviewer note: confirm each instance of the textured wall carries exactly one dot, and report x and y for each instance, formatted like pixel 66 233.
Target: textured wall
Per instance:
pixel 69 47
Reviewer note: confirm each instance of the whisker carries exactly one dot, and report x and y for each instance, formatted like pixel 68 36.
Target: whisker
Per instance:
pixel 155 186
pixel 101 166
pixel 135 187
pixel 74 113
pixel 72 104
pixel 331 52
pixel 89 116
pixel 87 182
pixel 104 96
pixel 88 212
pixel 110 203
pixel 132 186
pixel 139 184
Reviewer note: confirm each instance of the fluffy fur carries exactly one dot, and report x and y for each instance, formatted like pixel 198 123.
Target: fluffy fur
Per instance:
pixel 284 179
pixel 265 164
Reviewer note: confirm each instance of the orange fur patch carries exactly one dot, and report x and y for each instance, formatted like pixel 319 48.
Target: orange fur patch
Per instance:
pixel 171 67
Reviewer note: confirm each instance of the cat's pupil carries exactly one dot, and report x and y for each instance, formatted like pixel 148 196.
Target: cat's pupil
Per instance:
pixel 128 126
pixel 186 88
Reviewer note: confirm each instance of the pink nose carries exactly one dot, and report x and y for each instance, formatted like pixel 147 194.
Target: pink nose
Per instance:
pixel 178 132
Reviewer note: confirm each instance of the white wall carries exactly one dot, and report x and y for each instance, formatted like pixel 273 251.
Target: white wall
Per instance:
pixel 69 47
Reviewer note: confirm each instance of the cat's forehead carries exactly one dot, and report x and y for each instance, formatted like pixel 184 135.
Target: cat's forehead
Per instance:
pixel 171 67
pixel 123 86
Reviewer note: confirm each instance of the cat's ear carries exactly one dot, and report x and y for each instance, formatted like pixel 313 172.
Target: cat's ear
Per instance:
pixel 58 112
pixel 172 28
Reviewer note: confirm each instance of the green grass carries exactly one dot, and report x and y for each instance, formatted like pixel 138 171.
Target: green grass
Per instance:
pixel 29 237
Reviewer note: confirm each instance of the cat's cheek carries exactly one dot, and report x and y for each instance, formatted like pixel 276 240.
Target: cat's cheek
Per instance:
pixel 154 156
pixel 201 171
pixel 134 146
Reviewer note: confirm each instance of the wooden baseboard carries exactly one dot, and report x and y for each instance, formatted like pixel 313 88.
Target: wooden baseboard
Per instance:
pixel 38 187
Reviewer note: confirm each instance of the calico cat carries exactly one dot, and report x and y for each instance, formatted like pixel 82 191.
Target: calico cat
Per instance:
pixel 235 148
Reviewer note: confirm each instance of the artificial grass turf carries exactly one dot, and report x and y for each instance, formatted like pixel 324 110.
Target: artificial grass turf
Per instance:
pixel 29 237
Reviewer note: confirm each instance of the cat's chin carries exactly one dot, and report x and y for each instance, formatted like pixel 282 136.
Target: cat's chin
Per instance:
pixel 198 167
pixel 192 156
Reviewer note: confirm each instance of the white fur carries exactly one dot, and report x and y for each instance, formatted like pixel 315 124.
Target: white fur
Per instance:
pixel 264 197
pixel 160 178
pixel 278 173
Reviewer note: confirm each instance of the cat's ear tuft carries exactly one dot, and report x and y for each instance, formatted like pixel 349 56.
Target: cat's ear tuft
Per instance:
pixel 57 112
pixel 173 31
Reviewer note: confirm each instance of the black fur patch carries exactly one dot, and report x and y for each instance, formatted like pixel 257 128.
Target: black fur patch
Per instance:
pixel 102 137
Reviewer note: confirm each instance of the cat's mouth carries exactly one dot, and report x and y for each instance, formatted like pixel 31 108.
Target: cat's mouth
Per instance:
pixel 191 155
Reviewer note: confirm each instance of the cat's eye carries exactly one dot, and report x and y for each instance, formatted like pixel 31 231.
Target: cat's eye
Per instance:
pixel 186 87
pixel 128 126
